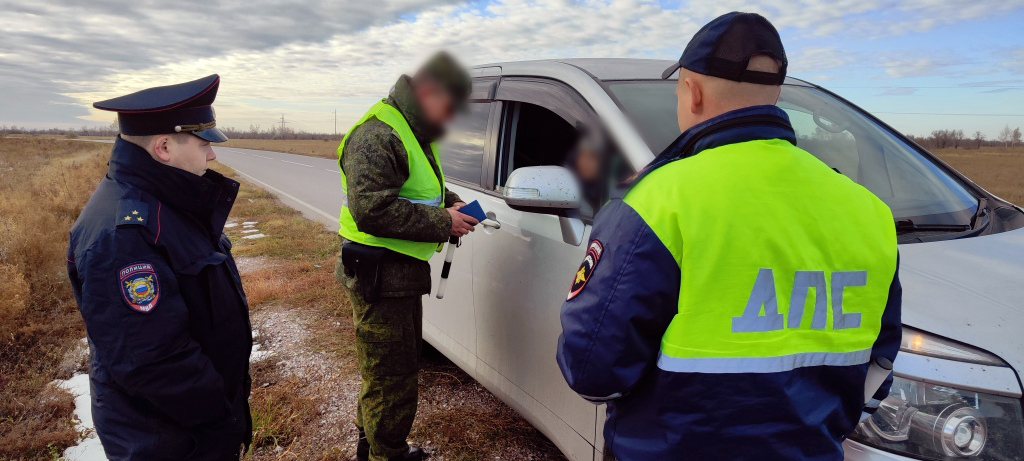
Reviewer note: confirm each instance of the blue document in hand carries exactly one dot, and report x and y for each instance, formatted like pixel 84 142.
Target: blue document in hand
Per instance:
pixel 474 210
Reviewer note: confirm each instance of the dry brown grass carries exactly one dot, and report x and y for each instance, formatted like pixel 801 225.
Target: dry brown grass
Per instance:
pixel 44 184
pixel 312 148
pixel 466 422
pixel 280 412
pixel 296 270
pixel 998 170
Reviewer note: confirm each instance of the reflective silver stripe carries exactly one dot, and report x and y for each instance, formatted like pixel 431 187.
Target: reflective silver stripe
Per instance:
pixel 432 202
pixel 763 364
pixel 873 403
pixel 436 201
pixel 601 399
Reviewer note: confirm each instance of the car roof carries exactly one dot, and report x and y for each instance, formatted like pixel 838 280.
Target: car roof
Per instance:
pixel 603 69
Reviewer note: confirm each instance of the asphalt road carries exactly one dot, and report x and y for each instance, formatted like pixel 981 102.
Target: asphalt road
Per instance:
pixel 309 184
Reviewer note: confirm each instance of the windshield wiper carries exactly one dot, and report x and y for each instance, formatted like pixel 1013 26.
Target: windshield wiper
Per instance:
pixel 905 226
pixel 981 211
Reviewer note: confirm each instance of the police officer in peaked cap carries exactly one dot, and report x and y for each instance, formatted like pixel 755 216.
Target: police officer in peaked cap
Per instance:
pixel 163 305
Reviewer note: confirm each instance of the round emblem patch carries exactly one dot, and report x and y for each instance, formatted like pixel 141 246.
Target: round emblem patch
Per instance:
pixel 139 286
pixel 586 269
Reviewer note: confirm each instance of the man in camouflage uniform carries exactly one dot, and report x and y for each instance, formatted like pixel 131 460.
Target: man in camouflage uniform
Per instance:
pixel 376 168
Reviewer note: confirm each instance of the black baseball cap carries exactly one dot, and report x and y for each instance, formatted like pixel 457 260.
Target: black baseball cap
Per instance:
pixel 724 46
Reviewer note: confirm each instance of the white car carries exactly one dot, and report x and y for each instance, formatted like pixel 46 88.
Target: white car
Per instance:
pixel 957 393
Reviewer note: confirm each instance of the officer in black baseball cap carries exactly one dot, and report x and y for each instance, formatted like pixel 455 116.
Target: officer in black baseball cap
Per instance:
pixel 679 331
pixel 158 289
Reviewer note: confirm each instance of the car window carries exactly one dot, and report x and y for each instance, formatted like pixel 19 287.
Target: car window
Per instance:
pixel 462 150
pixel 537 136
pixel 835 132
pixel 912 185
pixel 651 108
pixel 547 123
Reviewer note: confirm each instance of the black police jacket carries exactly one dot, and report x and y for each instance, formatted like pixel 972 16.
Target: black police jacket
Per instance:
pixel 166 317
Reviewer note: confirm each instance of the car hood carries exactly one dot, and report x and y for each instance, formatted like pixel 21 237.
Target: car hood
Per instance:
pixel 970 290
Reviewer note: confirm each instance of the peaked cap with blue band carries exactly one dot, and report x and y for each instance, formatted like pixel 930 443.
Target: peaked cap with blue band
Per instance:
pixel 182 108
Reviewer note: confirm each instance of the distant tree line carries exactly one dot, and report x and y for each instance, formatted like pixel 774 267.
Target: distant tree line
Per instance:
pixel 254 132
pixel 957 139
pixel 274 132
pixel 72 132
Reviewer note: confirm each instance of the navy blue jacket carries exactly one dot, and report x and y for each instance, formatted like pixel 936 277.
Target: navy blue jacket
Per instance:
pixel 166 317
pixel 613 326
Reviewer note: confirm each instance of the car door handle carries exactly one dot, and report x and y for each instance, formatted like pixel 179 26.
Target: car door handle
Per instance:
pixel 491 223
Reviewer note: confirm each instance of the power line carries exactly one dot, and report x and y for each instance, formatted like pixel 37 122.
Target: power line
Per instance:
pixel 897 64
pixel 957 115
pixel 962 87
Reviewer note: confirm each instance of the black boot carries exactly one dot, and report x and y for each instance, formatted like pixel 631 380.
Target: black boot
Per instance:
pixel 412 454
pixel 362 447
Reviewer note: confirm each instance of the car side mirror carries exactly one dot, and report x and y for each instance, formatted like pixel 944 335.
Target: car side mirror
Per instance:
pixel 542 189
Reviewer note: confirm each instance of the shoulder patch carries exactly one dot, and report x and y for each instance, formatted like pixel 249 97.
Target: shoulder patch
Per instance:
pixel 139 286
pixel 586 269
pixel 131 212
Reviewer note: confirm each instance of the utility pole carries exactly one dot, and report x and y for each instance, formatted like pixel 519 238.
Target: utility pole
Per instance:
pixel 282 123
pixel 335 122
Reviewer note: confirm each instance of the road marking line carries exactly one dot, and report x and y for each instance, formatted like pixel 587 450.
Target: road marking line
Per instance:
pixel 260 156
pixel 297 163
pixel 331 170
pixel 279 191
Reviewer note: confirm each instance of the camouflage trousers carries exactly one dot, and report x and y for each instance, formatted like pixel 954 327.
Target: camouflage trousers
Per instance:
pixel 388 348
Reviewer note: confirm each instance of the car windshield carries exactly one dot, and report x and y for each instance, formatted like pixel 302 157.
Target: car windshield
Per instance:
pixel 837 134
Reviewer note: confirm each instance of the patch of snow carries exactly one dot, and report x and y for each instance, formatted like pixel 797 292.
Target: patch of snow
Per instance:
pixel 231 224
pixel 258 354
pixel 250 231
pixel 249 223
pixel 254 236
pixel 88 449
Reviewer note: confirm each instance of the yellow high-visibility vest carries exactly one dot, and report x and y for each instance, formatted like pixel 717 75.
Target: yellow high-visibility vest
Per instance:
pixel 422 186
pixel 764 288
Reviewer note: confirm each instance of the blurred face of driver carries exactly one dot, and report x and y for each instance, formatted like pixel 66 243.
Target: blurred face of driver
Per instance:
pixel 437 104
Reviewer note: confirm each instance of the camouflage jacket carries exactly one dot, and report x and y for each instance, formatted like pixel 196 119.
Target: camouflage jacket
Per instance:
pixel 376 165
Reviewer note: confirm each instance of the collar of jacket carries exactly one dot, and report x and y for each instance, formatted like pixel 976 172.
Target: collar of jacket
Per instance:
pixel 207 199
pixel 404 99
pixel 741 125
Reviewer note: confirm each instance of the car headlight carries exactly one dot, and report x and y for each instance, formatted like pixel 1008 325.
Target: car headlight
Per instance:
pixel 934 422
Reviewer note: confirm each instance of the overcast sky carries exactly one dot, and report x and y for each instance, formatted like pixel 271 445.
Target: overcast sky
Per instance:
pixel 918 64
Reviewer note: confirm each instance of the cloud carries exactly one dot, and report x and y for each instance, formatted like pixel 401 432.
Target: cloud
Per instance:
pixel 819 59
pixel 59 46
pixel 364 64
pixel 911 67
pixel 999 90
pixel 1015 60
pixel 309 57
